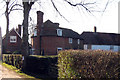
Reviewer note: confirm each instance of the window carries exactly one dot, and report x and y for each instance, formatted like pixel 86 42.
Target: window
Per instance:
pixel 59 32
pixel 111 47
pixel 13 39
pixel 59 48
pixel 35 32
pixel 78 41
pixel 85 47
pixel 70 40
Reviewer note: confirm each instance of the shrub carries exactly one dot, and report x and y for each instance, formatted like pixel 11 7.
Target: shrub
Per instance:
pixel 88 64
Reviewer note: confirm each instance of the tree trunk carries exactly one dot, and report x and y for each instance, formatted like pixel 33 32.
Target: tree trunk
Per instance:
pixel 7 28
pixel 25 44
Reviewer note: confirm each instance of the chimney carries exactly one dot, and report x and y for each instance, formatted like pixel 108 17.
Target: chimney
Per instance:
pixel 19 29
pixel 95 29
pixel 39 18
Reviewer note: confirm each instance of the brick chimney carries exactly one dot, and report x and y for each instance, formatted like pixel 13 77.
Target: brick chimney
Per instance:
pixel 37 39
pixel 95 29
pixel 39 18
pixel 19 29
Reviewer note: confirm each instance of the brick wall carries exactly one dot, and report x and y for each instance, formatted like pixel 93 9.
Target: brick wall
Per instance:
pixel 50 44
pixel 49 41
pixel 12 47
pixel 36 45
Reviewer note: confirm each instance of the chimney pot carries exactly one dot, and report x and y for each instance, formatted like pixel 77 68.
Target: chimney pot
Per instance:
pixel 95 29
pixel 19 29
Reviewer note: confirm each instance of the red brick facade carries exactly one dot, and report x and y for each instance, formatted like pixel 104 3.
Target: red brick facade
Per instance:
pixel 47 41
pixel 50 44
pixel 12 46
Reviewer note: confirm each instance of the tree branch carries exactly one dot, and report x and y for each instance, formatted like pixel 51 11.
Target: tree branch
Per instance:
pixel 12 3
pixel 84 5
pixel 106 5
pixel 58 10
pixel 11 9
pixel 31 3
pixel 15 9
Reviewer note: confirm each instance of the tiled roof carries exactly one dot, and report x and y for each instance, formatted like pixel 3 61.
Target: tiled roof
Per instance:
pixel 50 29
pixel 10 32
pixel 99 38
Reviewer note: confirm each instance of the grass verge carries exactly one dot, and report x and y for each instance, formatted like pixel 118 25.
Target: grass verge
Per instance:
pixel 19 72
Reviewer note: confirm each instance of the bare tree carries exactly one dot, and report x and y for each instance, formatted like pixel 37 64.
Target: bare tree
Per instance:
pixel 27 5
pixel 9 8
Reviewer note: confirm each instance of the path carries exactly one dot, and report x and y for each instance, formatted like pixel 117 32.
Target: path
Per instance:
pixel 6 73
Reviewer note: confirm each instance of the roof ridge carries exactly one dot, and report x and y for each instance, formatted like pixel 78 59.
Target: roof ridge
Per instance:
pixel 10 31
pixel 100 32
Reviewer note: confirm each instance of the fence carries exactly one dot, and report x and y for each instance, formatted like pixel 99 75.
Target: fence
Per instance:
pixel 13 59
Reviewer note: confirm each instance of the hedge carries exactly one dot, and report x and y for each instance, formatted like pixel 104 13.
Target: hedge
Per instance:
pixel 13 59
pixel 88 64
pixel 43 65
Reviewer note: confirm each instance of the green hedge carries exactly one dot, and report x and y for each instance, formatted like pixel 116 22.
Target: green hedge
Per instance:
pixel 46 66
pixel 13 59
pixel 88 64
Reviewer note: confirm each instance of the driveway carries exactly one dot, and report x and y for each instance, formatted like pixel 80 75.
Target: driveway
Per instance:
pixel 6 73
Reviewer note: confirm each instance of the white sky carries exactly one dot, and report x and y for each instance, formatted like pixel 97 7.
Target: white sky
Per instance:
pixel 79 21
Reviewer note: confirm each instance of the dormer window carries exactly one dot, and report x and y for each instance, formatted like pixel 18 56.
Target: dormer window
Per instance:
pixel 59 32
pixel 13 39
pixel 70 40
pixel 35 32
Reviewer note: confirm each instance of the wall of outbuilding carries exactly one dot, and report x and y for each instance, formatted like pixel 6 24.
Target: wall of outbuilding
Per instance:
pixel 103 47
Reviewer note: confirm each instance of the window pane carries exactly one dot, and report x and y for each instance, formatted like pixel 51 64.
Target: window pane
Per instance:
pixel 59 32
pixel 13 39
pixel 70 40
pixel 78 41
pixel 35 32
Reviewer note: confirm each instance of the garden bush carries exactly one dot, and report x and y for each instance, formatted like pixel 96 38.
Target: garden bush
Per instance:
pixel 88 64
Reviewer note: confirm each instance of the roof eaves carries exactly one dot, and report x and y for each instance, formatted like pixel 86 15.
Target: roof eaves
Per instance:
pixel 17 33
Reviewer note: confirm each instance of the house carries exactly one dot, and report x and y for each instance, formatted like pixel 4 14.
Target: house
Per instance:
pixel 13 42
pixel 49 38
pixel 99 40
pixel 0 41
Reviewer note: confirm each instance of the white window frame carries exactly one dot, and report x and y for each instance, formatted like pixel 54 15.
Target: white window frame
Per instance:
pixel 70 40
pixel 78 41
pixel 59 32
pixel 13 39
pixel 59 48
pixel 85 47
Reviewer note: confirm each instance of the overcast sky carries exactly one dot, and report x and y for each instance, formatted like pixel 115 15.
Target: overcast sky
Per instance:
pixel 79 20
